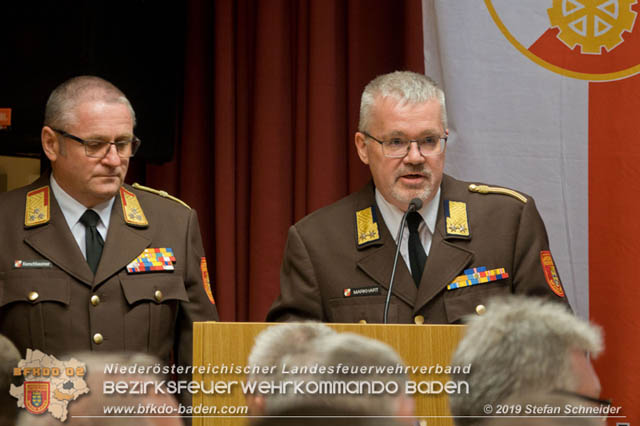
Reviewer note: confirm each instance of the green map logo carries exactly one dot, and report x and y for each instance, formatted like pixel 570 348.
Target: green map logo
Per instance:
pixel 49 384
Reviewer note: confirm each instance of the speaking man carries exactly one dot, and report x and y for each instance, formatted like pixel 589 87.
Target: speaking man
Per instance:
pixel 462 243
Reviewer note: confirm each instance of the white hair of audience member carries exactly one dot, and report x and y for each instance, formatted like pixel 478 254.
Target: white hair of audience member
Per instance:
pixel 92 404
pixel 348 350
pixel 272 344
pixel 521 345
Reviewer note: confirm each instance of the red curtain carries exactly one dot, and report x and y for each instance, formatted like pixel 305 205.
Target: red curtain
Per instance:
pixel 271 97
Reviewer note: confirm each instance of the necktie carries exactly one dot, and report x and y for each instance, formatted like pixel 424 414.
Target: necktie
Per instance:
pixel 417 255
pixel 93 239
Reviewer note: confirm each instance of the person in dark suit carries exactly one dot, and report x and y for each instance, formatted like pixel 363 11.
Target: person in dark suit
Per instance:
pixel 89 263
pixel 465 243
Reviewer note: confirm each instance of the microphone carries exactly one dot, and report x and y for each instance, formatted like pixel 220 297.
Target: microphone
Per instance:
pixel 414 205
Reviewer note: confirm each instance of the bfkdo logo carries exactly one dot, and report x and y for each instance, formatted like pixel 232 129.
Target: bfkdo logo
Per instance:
pixel 595 40
pixel 50 384
pixel 36 396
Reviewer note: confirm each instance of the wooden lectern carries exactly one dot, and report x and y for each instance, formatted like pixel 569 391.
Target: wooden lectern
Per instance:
pixel 219 343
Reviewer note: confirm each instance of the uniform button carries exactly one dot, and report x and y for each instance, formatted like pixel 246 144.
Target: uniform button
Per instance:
pixel 158 295
pixel 418 319
pixel 481 309
pixel 362 321
pixel 95 300
pixel 33 296
pixel 97 338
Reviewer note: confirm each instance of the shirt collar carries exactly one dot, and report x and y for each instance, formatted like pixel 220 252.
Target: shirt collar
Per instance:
pixel 73 210
pixel 392 215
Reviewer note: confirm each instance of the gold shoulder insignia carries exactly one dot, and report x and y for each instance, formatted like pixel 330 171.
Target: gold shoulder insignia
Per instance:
pixel 160 193
pixel 131 209
pixel 366 227
pixel 37 211
pixel 484 189
pixel 456 221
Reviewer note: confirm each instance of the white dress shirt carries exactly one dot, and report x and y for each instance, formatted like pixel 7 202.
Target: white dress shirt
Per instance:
pixel 392 217
pixel 73 210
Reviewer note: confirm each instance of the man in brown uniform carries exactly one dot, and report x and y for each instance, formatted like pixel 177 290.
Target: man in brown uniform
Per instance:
pixel 87 262
pixel 466 243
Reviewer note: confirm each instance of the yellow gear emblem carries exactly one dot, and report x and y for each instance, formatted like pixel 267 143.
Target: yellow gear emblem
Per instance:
pixel 592 24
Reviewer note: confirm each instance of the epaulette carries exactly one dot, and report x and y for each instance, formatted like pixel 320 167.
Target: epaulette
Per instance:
pixel 484 189
pixel 160 193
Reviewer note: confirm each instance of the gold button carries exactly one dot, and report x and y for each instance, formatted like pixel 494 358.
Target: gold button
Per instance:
pixel 418 319
pixel 481 309
pixel 362 321
pixel 97 338
pixel 95 300
pixel 33 296
pixel 158 295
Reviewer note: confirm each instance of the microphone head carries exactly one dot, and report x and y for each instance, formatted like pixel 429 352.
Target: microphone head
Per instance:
pixel 415 204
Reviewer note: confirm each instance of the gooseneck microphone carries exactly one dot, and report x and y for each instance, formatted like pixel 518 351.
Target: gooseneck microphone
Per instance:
pixel 415 204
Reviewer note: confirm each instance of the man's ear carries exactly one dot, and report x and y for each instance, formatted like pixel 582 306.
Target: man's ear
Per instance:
pixel 50 143
pixel 361 146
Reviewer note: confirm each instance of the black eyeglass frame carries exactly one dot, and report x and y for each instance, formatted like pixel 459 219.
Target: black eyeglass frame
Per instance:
pixel 441 138
pixel 135 144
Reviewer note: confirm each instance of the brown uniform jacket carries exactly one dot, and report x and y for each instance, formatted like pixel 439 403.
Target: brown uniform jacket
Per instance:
pixel 51 307
pixel 327 276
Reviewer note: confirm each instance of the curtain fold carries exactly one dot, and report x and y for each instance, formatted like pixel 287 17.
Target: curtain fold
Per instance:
pixel 271 99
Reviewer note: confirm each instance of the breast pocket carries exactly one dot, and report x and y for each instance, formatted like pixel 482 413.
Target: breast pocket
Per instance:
pixel 468 300
pixel 34 307
pixel 154 301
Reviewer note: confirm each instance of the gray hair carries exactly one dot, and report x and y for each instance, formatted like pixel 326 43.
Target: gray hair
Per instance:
pixel 274 343
pixel 59 111
pixel 354 352
pixel 406 86
pixel 519 345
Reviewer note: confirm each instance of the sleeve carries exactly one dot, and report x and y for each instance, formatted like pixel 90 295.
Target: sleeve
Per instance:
pixel 535 273
pixel 299 297
pixel 201 305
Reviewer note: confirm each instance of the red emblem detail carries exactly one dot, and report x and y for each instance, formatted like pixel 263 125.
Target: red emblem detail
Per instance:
pixel 36 396
pixel 17 264
pixel 205 279
pixel 347 292
pixel 550 273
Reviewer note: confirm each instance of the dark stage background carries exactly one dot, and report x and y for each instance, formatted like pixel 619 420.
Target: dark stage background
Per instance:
pixel 246 109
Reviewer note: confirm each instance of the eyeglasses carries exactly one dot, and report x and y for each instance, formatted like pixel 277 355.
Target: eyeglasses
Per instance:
pixel 399 147
pixel 98 149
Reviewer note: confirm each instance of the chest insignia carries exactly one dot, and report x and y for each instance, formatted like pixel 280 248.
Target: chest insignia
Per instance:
pixel 366 227
pixel 477 276
pixel 37 211
pixel 456 221
pixel 131 210
pixel 152 259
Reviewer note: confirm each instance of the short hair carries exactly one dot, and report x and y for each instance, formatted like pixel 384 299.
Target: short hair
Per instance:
pixel 9 359
pixel 405 86
pixel 59 111
pixel 348 350
pixel 519 345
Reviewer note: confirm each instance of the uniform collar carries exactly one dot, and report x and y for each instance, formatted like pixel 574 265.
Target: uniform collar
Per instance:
pixel 392 215
pixel 73 210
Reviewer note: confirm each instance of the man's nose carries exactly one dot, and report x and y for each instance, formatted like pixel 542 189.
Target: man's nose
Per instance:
pixel 414 156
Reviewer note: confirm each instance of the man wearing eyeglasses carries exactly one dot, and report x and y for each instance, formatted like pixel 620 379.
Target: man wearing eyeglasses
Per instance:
pixel 464 243
pixel 89 263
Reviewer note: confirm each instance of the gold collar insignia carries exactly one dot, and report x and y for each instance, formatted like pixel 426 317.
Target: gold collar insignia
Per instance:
pixel 37 210
pixel 456 221
pixel 131 209
pixel 366 227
